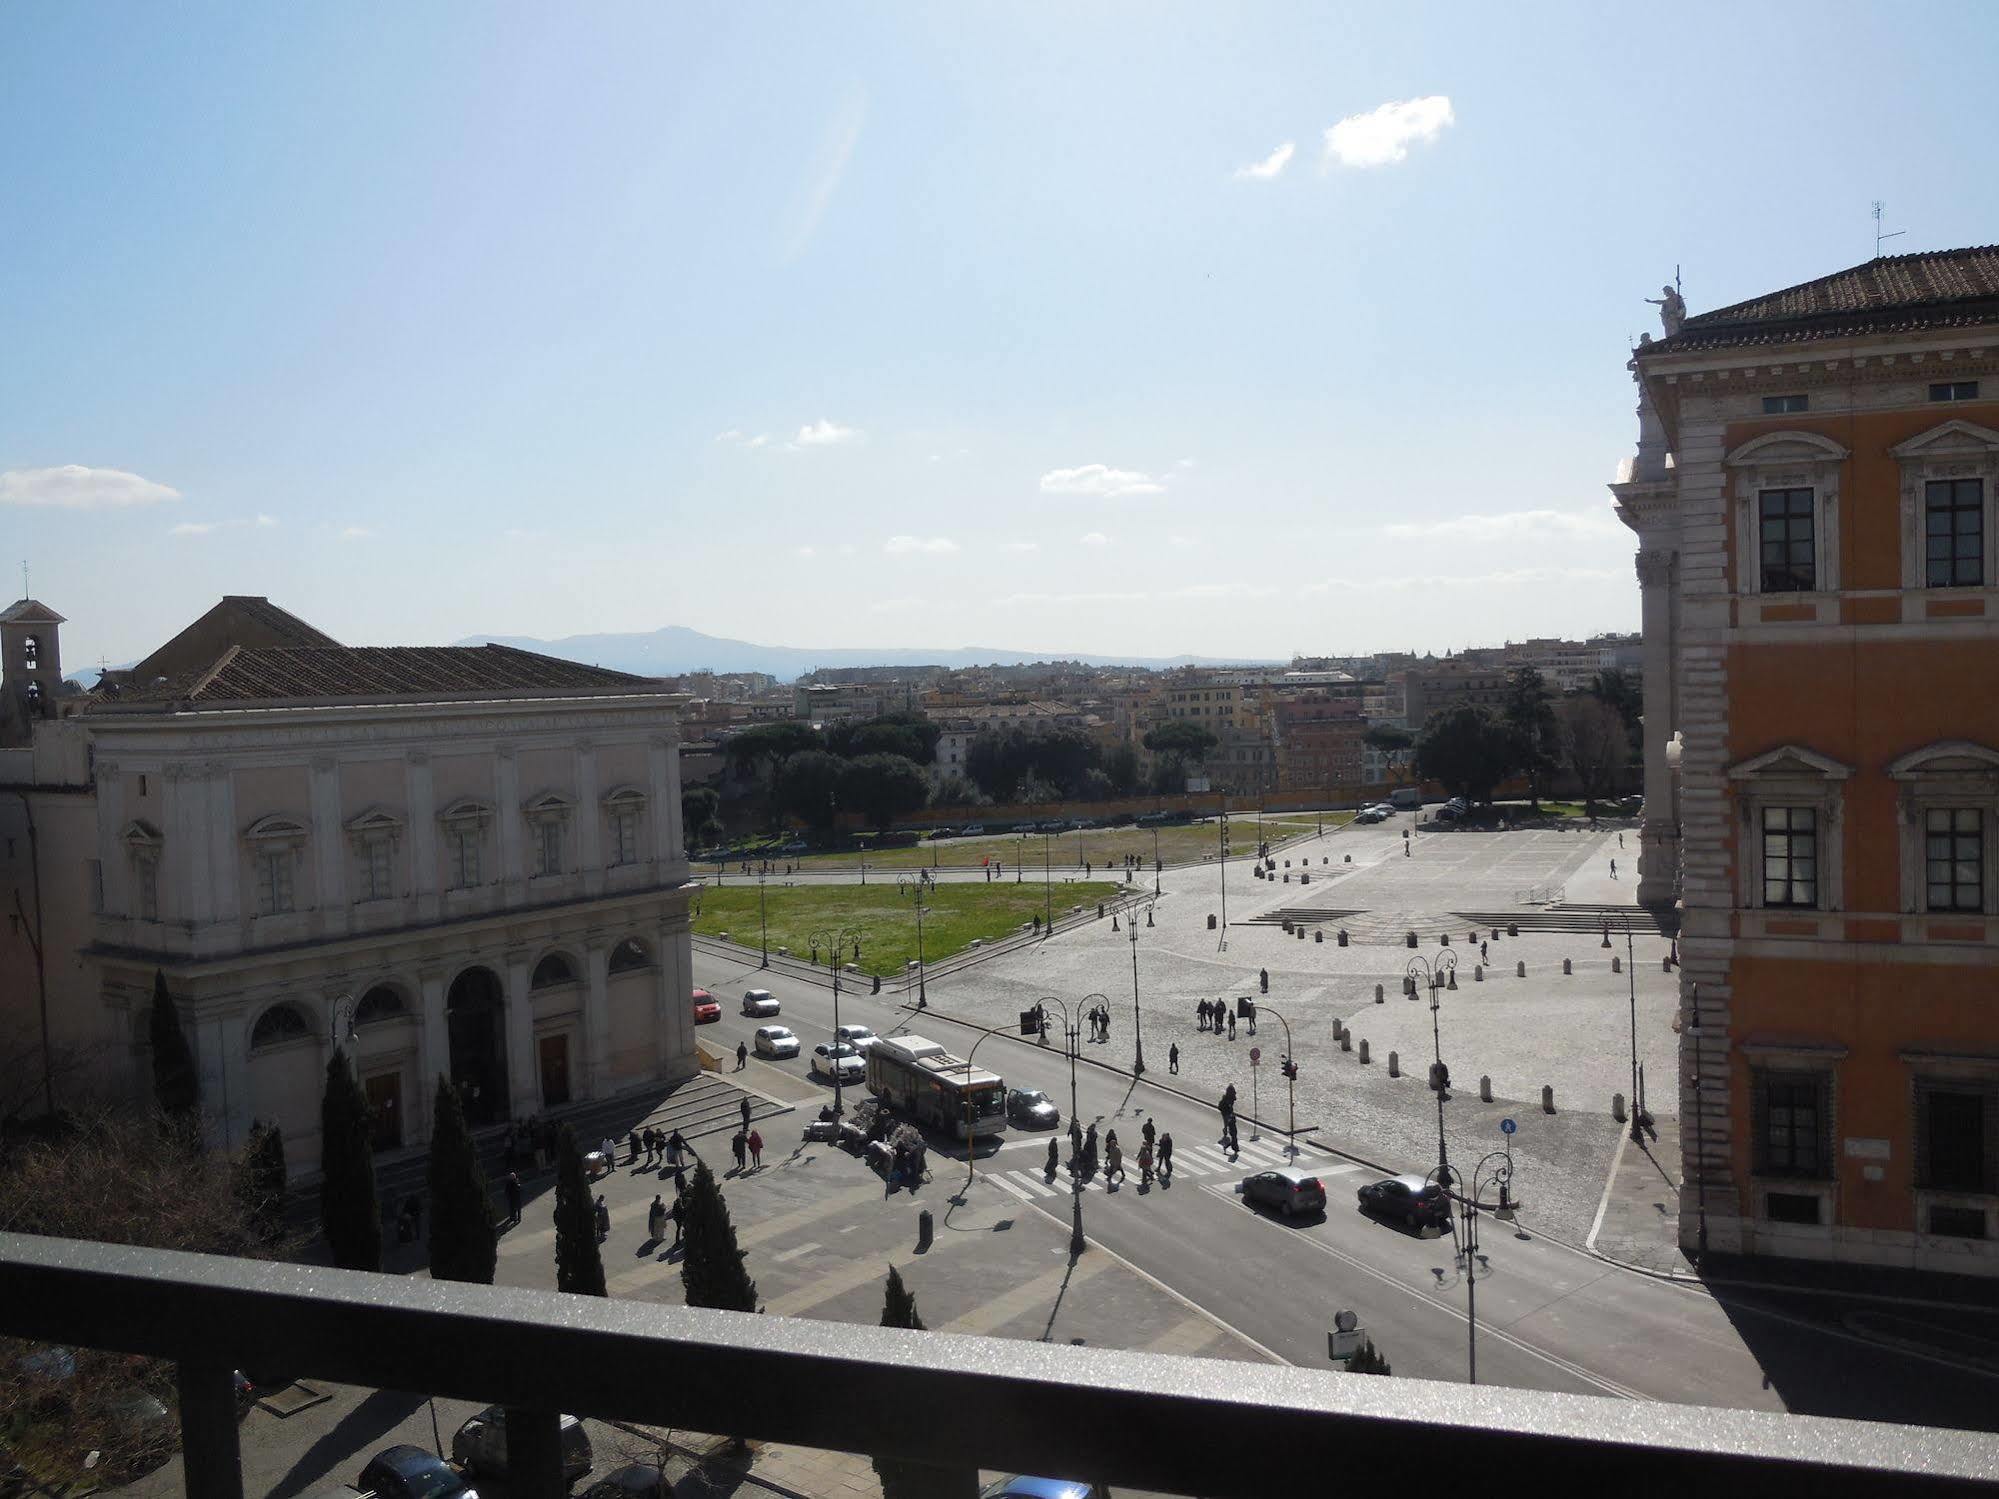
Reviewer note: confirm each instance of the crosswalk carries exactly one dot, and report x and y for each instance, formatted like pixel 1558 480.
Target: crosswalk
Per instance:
pixel 1188 1161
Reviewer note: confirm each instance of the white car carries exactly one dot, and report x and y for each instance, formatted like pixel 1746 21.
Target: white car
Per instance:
pixel 776 1041
pixel 838 1062
pixel 859 1037
pixel 759 1002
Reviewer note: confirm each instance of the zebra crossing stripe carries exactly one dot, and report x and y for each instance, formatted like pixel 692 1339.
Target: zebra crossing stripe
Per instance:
pixel 999 1178
pixel 1033 1183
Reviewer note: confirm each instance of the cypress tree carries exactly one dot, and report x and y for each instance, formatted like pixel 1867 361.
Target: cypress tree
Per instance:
pixel 176 1085
pixel 463 1245
pixel 1368 1360
pixel 348 1210
pixel 899 1305
pixel 711 1266
pixel 900 1477
pixel 579 1266
pixel 261 1181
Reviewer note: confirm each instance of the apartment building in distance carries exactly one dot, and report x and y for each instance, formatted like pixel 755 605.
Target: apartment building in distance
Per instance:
pixel 1319 742
pixel 1814 493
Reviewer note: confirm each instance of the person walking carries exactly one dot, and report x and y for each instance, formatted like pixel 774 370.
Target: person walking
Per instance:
pixel 742 1055
pixel 1165 1155
pixel 1113 1157
pixel 756 1143
pixel 739 1146
pixel 513 1186
pixel 1481 952
pixel 656 1219
pixel 1104 1026
pixel 675 1213
pixel 676 1147
pixel 1173 1058
pixel 633 1140
pixel 609 1147
pixel 1148 1133
pixel 1145 1164
pixel 1054 1160
pixel 1613 869
pixel 603 1220
pixel 1620 840
pixel 746 1111
pixel 1232 1025
pixel 1201 1010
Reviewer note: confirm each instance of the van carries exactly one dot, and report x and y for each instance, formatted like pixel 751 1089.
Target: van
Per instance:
pixel 1405 797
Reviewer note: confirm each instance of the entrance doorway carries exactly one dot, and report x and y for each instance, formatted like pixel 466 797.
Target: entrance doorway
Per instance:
pixel 385 1110
pixel 554 1071
pixel 475 1015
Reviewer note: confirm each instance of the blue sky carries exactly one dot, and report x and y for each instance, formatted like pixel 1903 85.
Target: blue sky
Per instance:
pixel 900 325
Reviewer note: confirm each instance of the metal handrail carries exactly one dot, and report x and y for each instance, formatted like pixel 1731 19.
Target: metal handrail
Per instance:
pixel 1179 1424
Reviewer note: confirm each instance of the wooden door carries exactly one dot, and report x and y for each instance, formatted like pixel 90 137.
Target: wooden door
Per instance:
pixel 554 1071
pixel 385 1110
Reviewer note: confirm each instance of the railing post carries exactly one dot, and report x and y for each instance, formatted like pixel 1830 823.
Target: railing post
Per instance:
pixel 534 1454
pixel 209 1457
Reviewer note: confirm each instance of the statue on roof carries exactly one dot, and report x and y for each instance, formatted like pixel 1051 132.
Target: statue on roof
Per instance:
pixel 1672 309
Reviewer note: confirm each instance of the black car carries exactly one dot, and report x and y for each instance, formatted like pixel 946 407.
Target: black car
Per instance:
pixel 1413 1201
pixel 1032 1108
pixel 408 1472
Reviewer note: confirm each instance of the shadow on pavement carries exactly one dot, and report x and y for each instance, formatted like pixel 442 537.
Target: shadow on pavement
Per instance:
pixel 354 1433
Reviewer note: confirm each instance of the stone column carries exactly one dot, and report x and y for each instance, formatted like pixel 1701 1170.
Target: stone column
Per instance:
pixel 665 806
pixel 184 808
pixel 523 1076
pixel 224 865
pixel 673 1013
pixel 222 1059
pixel 507 816
pixel 589 819
pixel 433 1047
pixel 329 848
pixel 1659 836
pixel 597 1016
pixel 422 802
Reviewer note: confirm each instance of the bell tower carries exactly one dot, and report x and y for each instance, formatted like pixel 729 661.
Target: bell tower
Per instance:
pixel 30 663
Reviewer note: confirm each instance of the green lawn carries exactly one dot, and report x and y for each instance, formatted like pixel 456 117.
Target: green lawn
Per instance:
pixel 885 918
pixel 1102 848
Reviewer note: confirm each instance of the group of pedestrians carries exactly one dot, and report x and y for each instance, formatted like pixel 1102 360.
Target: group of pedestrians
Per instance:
pixel 531 1140
pixel 1215 1015
pixel 748 1146
pixel 1155 1154
pixel 1100 1023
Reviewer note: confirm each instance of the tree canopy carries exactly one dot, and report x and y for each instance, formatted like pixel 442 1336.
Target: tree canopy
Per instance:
pixel 883 787
pixel 1183 736
pixel 1530 714
pixel 1006 762
pixel 910 735
pixel 1593 744
pixel 349 1213
pixel 1467 750
pixel 808 786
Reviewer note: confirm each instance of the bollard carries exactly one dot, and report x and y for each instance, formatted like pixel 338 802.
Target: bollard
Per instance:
pixel 1617 1107
pixel 1394 1064
pixel 1495 934
pixel 1363 1053
pixel 1287 863
pixel 1211 921
pixel 1318 936
pixel 1380 996
pixel 925 1227
pixel 1478 973
pixel 1339 1027
pixel 1303 878
pixel 1548 1100
pixel 1409 984
pixel 1287 926
pixel 1410 938
pixel 1520 969
pixel 1471 938
pixel 1616 964
pixel 1346 1040
pixel 1301 931
pixel 1485 1090
pixel 1512 929
pixel 1287 879
pixel 878 985
pixel 1443 939
pixel 1343 936
pixel 1263 979
pixel 1666 963
pixel 1347 860
pixel 1567 966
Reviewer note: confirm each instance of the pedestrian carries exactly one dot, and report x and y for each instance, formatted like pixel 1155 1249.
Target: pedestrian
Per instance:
pixel 756 1150
pixel 674 1147
pixel 634 1139
pixel 1173 1058
pixel 1148 1133
pixel 1054 1159
pixel 742 1055
pixel 674 1213
pixel 1232 1025
pixel 739 1146
pixel 1090 1145
pixel 656 1219
pixel 1113 1157
pixel 1201 1010
pixel 603 1220
pixel 746 1111
pixel 1481 950
pixel 513 1197
pixel 609 1147
pixel 1145 1164
pixel 1613 869
pixel 1620 840
pixel 1104 1025
pixel 1165 1155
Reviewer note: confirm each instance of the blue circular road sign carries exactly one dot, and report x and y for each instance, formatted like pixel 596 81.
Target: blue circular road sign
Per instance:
pixel 1507 1126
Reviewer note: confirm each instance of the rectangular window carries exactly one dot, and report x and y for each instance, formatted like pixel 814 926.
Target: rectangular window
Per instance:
pixel 1954 858
pixel 1791 1207
pixel 1786 536
pixel 464 856
pixel 1954 532
pixel 376 870
pixel 1956 1153
pixel 1954 390
pixel 1791 857
pixel 1791 1137
pixel 147 870
pixel 624 837
pixel 1780 405
pixel 548 847
pixel 274 882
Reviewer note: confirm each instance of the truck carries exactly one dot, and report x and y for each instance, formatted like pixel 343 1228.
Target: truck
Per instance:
pixel 1405 797
pixel 921 1079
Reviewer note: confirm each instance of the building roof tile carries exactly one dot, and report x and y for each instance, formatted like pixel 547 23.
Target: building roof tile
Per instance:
pixel 246 674
pixel 29 612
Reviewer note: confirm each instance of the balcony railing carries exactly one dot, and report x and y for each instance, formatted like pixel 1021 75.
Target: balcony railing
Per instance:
pixel 1183 1425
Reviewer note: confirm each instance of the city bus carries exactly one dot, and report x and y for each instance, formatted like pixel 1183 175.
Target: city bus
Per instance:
pixel 921 1079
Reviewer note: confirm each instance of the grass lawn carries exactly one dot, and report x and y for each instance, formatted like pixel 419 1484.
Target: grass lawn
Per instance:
pixel 1187 843
pixel 884 918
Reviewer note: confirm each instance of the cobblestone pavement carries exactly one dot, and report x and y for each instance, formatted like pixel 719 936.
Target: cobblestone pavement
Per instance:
pixel 1639 1220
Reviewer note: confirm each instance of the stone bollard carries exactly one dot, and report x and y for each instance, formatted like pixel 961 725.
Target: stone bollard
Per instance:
pixel 1287 926
pixel 1318 936
pixel 1343 936
pixel 1339 1027
pixel 1409 984
pixel 1380 994
pixel 1346 1041
pixel 1666 963
pixel 1567 967
pixel 1394 1064
pixel 1410 938
pixel 1443 939
pixel 1548 1100
pixel 1347 860
pixel 1471 939
pixel 925 1229
pixel 1616 964
pixel 1287 863
pixel 1363 1053
pixel 1301 931
pixel 1512 928
pixel 1495 934
pixel 1100 910
pixel 1520 969
pixel 1287 879
pixel 1617 1107
pixel 1485 1090
pixel 1303 878
pixel 1478 973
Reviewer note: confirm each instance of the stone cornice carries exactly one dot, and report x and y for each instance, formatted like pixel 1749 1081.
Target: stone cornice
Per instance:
pixel 303 731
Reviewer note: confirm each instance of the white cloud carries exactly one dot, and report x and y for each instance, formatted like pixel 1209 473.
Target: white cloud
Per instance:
pixel 902 546
pixel 805 551
pixel 192 528
pixel 735 437
pixel 836 149
pixel 265 522
pixel 1099 481
pixel 1510 523
pixel 1271 166
pixel 1021 546
pixel 1075 598
pixel 1223 591
pixel 75 487
pixel 1094 539
pixel 823 434
pixel 1383 135
pixel 1183 542
pixel 1184 463
pixel 892 606
pixel 730 434
pixel 1504 577
pixel 356 533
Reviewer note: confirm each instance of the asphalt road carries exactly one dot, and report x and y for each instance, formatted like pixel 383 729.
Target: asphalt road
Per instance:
pixel 1549 1316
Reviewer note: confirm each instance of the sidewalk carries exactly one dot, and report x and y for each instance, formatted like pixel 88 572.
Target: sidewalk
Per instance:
pixel 1638 1221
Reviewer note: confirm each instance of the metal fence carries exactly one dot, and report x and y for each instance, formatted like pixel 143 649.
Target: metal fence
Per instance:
pixel 1182 1425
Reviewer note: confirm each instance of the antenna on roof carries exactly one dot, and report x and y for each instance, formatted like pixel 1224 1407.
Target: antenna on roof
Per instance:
pixel 24 578
pixel 1878 235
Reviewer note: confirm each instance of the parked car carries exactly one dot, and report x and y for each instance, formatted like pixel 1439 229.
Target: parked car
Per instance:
pixel 1413 1201
pixel 943 833
pixel 480 1445
pixel 1446 814
pixel 839 1062
pixel 972 830
pixel 1032 1108
pixel 408 1472
pixel 796 846
pixel 759 1002
pixel 775 1041
pixel 857 1036
pixel 1291 1191
pixel 633 1481
pixel 705 1007
pixel 1020 1486
pixel 1369 815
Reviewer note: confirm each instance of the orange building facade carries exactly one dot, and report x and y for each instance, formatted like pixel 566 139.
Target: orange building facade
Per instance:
pixel 1815 494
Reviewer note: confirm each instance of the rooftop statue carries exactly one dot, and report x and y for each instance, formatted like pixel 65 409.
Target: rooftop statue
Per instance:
pixel 1672 309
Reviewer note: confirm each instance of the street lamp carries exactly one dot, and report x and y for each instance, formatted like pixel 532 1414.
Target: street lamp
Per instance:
pixel 1260 1009
pixel 1494 1170
pixel 835 941
pixel 971 1156
pixel 1436 979
pixel 1223 944
pixel 1631 975
pixel 763 918
pixel 1047 886
pixel 1131 925
pixel 902 881
pixel 1155 858
pixel 1035 1021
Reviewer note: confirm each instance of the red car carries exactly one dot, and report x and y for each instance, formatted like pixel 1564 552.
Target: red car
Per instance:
pixel 705 1008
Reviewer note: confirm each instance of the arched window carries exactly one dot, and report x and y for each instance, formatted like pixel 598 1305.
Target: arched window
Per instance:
pixel 379 1003
pixel 629 954
pixel 553 969
pixel 279 1023
pixel 31 652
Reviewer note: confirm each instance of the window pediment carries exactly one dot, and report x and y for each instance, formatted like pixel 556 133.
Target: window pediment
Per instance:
pixel 140 834
pixel 548 804
pixel 624 798
pixel 466 809
pixel 1780 448
pixel 1956 438
pixel 376 820
pixel 276 828
pixel 1947 757
pixel 1790 762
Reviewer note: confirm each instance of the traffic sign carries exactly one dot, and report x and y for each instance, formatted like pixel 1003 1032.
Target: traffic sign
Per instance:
pixel 1255 1055
pixel 1507 1126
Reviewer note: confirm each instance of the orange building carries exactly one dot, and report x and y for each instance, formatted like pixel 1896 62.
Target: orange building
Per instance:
pixel 1821 610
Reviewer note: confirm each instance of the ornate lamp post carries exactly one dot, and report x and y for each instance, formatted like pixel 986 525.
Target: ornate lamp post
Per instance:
pixel 915 883
pixel 835 941
pixel 1443 975
pixel 1494 1172
pixel 1035 1022
pixel 763 918
pixel 1131 911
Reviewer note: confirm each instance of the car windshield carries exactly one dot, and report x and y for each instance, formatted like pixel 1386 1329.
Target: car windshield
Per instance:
pixel 840 1049
pixel 1031 1096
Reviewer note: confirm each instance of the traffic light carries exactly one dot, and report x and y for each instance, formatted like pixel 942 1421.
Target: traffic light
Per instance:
pixel 1030 1022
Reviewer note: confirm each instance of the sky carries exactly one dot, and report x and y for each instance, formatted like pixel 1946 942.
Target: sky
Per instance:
pixel 1241 330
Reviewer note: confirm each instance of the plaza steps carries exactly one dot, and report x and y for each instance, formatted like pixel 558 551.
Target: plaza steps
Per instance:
pixel 1563 917
pixel 1312 916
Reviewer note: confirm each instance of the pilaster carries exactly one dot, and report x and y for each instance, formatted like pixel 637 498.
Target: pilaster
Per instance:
pixel 523 1078
pixel 597 1016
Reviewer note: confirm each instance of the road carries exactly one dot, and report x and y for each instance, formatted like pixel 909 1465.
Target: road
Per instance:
pixel 1549 1316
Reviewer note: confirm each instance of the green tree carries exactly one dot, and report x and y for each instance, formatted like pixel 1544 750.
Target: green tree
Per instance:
pixel 260 1181
pixel 699 823
pixel 1387 736
pixel 1594 746
pixel 910 735
pixel 900 1477
pixel 1467 749
pixel 1183 735
pixel 883 787
pixel 1368 1360
pixel 579 1263
pixel 1169 774
pixel 953 790
pixel 808 787
pixel 463 1245
pixel 711 1267
pixel 1121 769
pixel 758 756
pixel 1626 694
pixel 176 1086
pixel 1530 714
pixel 349 1213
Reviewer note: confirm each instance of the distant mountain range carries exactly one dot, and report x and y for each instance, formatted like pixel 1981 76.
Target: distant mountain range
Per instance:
pixel 671 651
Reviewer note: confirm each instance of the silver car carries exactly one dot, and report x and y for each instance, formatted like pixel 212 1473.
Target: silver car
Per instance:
pixel 480 1445
pixel 776 1041
pixel 759 1002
